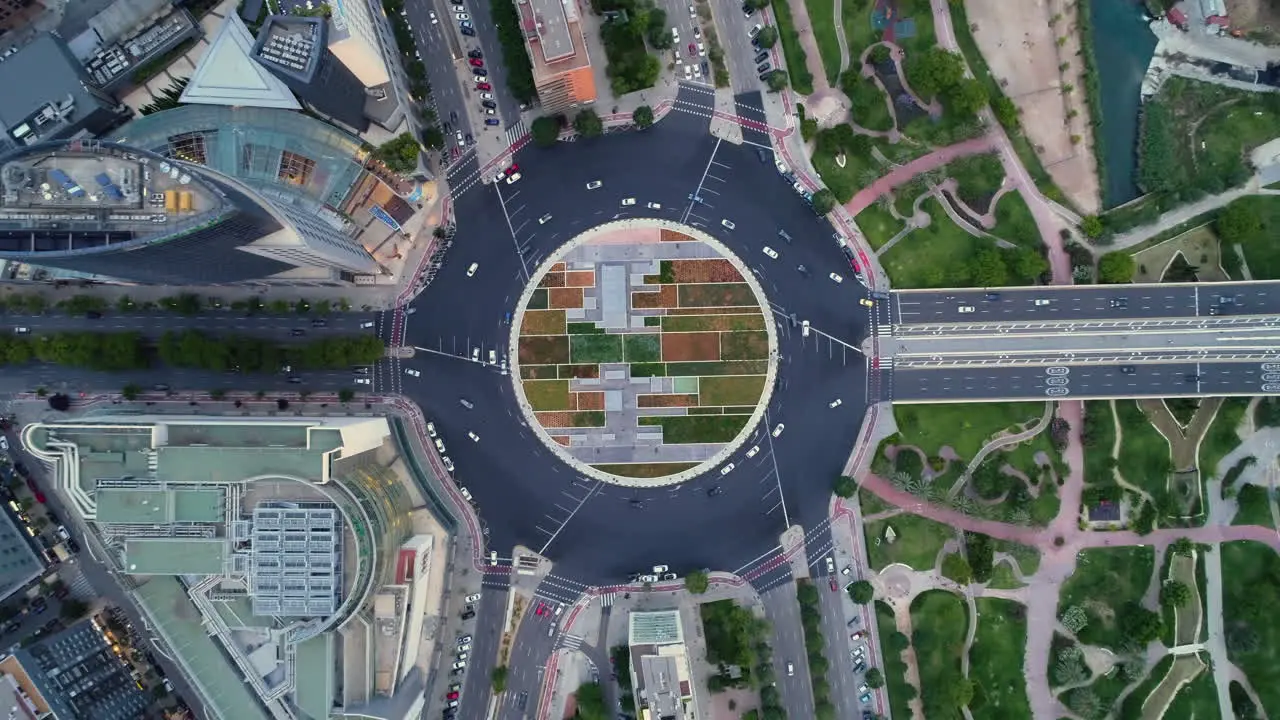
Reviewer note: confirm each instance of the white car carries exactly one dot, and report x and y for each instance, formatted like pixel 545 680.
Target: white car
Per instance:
pixel 648 578
pixel 836 278
pixel 754 31
pixel 965 308
pixel 727 224
pixel 448 464
pixel 490 111
pixel 512 178
pixel 486 96
pixel 1042 301
pixel 475 354
pixel 461 656
pixel 465 647
pixel 434 20
pixel 804 329
pixel 440 446
pixel 543 220
pixel 62 532
pixel 770 252
pixel 692 12
pixel 458 136
pixel 659 569
pixel 366 325
pixel 594 184
pixel 470 599
pixel 778 430
pixel 655 206
pixel 363 381
pixel 755 450
pixel 412 373
pixel 727 469
pixel 474 437
pixel 628 202
pixel 493 358
pixel 835 403
pixel 466 494
pixel 831 565
pixel 471 271
pixel 697 31
pixel 459 665
pixel 462 16
pixel 688 72
pixel 702 49
pixel 431 429
pixel 675 35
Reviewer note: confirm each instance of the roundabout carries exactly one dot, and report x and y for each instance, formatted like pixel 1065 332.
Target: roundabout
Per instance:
pixel 527 492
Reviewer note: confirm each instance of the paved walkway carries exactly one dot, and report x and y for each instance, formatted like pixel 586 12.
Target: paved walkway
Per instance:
pixel 903 173
pixel 1004 440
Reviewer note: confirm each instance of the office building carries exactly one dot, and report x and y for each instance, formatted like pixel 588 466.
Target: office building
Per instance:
pixel 557 47
pixel 15 14
pixel 660 671
pixel 19 563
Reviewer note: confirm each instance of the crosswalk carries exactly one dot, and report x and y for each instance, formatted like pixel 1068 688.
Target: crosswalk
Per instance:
pixel 515 132
pixel 77 584
pixel 571 642
pixel 606 600
pixel 884 330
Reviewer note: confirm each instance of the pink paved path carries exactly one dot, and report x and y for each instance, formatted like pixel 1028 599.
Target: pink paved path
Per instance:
pixel 904 173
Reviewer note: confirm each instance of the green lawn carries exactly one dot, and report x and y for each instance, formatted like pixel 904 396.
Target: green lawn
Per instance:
pixel 895 670
pixel 1027 556
pixel 642 348
pixel 977 177
pixel 1104 580
pixel 1100 434
pixel 1221 438
pixel 538 300
pixel 744 345
pixel 935 256
pixel 917 543
pixel 1250 595
pixel 733 390
pixel 878 225
pixel 1254 507
pixel 859 170
pixel 1144 453
pixel 595 348
pixel 868 105
pixel 801 80
pixel 965 427
pixel 547 395
pixel 1261 252
pixel 822 18
pixel 715 367
pixel 1197 699
pixel 920 12
pixel 995 661
pixel 871 503
pixel 1002 577
pixel 940 622
pixel 1132 707
pixel 685 429
pixel 855 15
pixel 1015 223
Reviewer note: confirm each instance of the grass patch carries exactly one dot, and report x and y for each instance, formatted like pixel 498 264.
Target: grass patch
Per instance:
pixel 966 428
pixel 1261 252
pixel 1182 408
pixel 995 661
pixel 642 348
pixel 940 621
pixel 648 370
pixel 690 429
pixel 868 106
pixel 544 350
pixel 916 545
pixel 652 321
pixel 542 322
pixel 1221 437
pixel 595 348
pixel 1144 458
pixel 944 255
pixel 538 300
pixel 716 295
pixel 1098 436
pixel 822 18
pixel 730 390
pixel 871 503
pixel 1003 578
pixel 645 470
pixel 706 323
pixel 1198 698
pixel 878 225
pixel 583 328
pixel 745 345
pixel 721 367
pixel 855 15
pixel 977 177
pixel 1028 557
pixel 1254 507
pixel 895 670
pixel 547 395
pixel 1249 600
pixel 1015 223
pixel 1105 580
pixel 587 418
pixel 797 67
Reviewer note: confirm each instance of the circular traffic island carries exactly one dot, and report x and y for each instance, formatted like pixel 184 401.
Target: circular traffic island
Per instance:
pixel 643 352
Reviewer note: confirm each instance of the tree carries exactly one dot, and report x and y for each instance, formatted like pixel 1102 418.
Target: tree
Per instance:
pixel 898 641
pixel 768 36
pixel 934 72
pixel 824 201
pixel 862 592
pixel 72 609
pixel 777 80
pixel 346 395
pixel 59 402
pixel 546 131
pixel 954 566
pixel 432 138
pixel 1091 226
pixel 1175 594
pixel 845 486
pixel 696 582
pixel 1182 546
pixel 1116 267
pixel 130 392
pixel 498 678
pixel 590 700
pixel 874 678
pixel 1140 624
pixel 1239 222
pixel 656 31
pixel 642 117
pixel 1006 112
pixel 966 97
pixel 588 124
pixel 400 154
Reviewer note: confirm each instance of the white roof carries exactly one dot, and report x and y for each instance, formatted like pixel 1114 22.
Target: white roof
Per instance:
pixel 228 74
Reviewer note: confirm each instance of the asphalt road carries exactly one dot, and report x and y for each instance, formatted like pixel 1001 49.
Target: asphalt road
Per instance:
pixel 739 53
pixel 487 36
pixel 153 325
pixel 794 688
pixel 679 17
pixel 485 630
pixel 1083 382
pixel 441 49
pixel 843 680
pixel 595 534
pixel 1085 302
pixel 535 639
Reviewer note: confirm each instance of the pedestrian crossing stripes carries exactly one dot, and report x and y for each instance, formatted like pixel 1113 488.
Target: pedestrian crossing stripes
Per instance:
pixel 606 600
pixel 79 586
pixel 886 363
pixel 884 330
pixel 515 132
pixel 571 642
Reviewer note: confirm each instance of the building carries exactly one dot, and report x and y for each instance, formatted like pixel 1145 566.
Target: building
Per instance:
pixel 74 674
pixel 19 563
pixel 15 14
pixel 112 65
pixel 660 670
pixel 277 558
pixel 557 47
pixel 49 96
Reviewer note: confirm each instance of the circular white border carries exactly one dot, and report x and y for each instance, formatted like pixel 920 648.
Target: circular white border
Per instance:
pixel 771 373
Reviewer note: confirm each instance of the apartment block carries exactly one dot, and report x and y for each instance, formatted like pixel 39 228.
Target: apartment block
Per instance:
pixel 557 48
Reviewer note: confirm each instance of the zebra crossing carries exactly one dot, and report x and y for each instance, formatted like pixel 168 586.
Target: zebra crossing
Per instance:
pixel 515 132
pixel 77 584
pixel 606 600
pixel 570 642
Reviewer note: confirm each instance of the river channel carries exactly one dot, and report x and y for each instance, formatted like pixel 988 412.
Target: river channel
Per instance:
pixel 1123 46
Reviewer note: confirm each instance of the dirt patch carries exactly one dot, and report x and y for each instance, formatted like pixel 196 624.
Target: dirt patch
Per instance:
pixel 716 295
pixel 749 345
pixel 732 704
pixel 566 297
pixel 544 350
pixel 1259 19
pixel 657 401
pixel 1198 246
pixel 561 439
pixel 1020 44
pixel 590 400
pixel 685 347
pixel 542 322
pixel 580 278
pixel 552 280
pixel 555 419
pixel 673 236
pixel 579 371
pixel 667 297
pixel 705 271
pixel 743 310
pixel 558 267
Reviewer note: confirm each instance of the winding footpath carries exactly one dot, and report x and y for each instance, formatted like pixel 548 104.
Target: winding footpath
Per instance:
pixel 1002 442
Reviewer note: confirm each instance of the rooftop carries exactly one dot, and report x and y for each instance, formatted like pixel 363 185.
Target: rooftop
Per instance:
pixel 228 75
pixel 660 627
pixel 550 21
pixel 121 505
pixel 173 556
pixel 81 677
pixel 291 45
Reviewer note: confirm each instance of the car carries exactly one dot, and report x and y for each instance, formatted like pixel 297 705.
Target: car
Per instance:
pixel 791 670
pixel 462 641
pixel 702 50
pixel 1213 309
pixel 659 569
pixel 595 184
pixel 489 104
pixel 858 635
pixel 804 329
pixel 764 67
pixel 295 380
pixel 647 579
pixel 846 570
pixel 514 178
pixel 540 610
pixel 864 698
pixel 458 136
pixel 714 490
pixel 669 576
pixel 479 72
pixel 727 224
pixel 451 696
pixel 544 219
pixel 1119 302
pixel 693 50
pixel 440 445
pixel 835 403
pixel 448 464
pixel 489 111
pixel 475 354
pixel 777 431
pixel 762 56
pixel 486 96
pixel 468 614
pixel 992 297
pixel 62 532
pixel 364 381
pixel 755 450
pixel 476 62
pixel 675 35
pixel 727 469
pixel 493 357
pixel 1227 300
pixel 483 86
pixel 431 430
pixel 462 656
pixel 434 20
pixel 833 584
pixel 412 373
pixel 748 10
pixel 628 202
pixel 471 271
pixel 462 16
pixel 755 30
pixel 1193 378
pixel 770 252
pixel 688 72
pixel 1128 370
pixel 471 598
pixel 865 302
pixel 477 53
pixel 494 122
pixel 465 493
pixel 1041 302
pixel 465 403
pixel 836 278
pixel 467 30
pixel 965 309
pixel 693 13
pixel 460 665
pixel 860 666
pixel 474 437
pixel 72 545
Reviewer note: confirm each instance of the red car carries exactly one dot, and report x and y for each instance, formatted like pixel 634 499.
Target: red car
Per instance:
pixel 514 167
pixel 451 696
pixel 539 610
pixel 484 86
pixel 477 62
pixel 693 50
pixel 834 587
